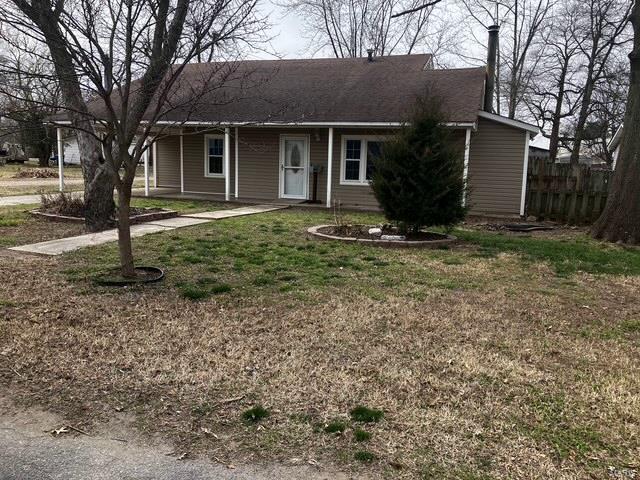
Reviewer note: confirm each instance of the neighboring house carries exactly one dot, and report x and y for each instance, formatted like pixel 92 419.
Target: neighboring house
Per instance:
pixel 614 146
pixel 71 151
pixel 583 159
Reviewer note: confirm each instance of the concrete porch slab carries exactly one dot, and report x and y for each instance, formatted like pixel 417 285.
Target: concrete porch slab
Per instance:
pixel 236 212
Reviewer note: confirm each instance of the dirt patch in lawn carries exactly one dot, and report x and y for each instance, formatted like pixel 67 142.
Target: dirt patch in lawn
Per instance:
pixel 555 230
pixel 533 375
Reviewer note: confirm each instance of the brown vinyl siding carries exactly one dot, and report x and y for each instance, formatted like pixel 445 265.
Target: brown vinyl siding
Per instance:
pixel 495 165
pixel 259 160
pixel 194 165
pixel 361 196
pixel 168 162
pixel 495 168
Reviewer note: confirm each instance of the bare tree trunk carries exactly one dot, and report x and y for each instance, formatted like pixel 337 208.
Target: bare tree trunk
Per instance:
pixel 583 116
pixel 620 220
pixel 98 185
pixel 124 234
pixel 554 139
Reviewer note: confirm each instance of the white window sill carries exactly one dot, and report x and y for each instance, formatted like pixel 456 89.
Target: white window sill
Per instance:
pixel 356 183
pixel 215 175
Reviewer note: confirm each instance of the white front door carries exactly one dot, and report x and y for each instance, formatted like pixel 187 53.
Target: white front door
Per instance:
pixel 294 166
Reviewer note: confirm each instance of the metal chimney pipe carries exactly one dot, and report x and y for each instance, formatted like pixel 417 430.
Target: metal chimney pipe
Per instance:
pixel 370 54
pixel 492 52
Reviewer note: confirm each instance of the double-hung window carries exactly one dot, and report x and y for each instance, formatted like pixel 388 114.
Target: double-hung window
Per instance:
pixel 358 159
pixel 214 156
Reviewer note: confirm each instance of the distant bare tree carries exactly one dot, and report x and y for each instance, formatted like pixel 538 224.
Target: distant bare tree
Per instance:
pixel 600 32
pixel 130 56
pixel 521 23
pixel 607 110
pixel 348 28
pixel 553 95
pixel 28 93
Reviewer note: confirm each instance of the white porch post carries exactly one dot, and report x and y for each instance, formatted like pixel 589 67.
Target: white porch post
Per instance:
pixel 146 168
pixel 60 159
pixel 465 171
pixel 236 159
pixel 227 163
pixel 329 166
pixel 523 194
pixel 181 162
pixel 155 164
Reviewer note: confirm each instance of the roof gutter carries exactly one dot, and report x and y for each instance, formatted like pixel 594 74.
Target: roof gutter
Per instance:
pixel 291 124
pixel 509 121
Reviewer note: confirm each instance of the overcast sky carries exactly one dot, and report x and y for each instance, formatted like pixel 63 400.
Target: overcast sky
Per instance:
pixel 288 38
pixel 291 41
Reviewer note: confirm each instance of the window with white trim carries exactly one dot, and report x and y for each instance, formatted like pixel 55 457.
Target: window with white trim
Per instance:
pixel 357 165
pixel 214 156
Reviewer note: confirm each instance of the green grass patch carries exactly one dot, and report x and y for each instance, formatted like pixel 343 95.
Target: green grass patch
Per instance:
pixel 565 256
pixel 203 288
pixel 336 426
pixel 193 292
pixel 626 328
pixel 366 415
pixel 255 414
pixel 15 216
pixel 553 425
pixel 364 456
pixel 360 435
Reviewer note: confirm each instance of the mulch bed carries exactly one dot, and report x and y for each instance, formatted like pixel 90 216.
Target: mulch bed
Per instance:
pixel 362 232
pixel 137 215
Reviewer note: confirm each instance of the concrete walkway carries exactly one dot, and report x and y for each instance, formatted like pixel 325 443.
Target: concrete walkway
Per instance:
pixel 11 200
pixel 63 245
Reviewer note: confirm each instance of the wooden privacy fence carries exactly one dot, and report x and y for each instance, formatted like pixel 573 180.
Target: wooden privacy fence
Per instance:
pixel 561 192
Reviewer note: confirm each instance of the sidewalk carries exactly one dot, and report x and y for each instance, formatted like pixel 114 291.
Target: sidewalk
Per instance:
pixel 63 245
pixel 115 451
pixel 11 200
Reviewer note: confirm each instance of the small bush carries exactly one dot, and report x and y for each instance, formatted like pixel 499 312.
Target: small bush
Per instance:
pixel 418 176
pixel 366 415
pixel 364 456
pixel 66 204
pixel 361 435
pixel 255 414
pixel 336 426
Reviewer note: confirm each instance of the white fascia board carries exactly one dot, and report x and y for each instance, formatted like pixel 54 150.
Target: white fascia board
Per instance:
pixel 615 141
pixel 464 125
pixel 509 121
pixel 306 124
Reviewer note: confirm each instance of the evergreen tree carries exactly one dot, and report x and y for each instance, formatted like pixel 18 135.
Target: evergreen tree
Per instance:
pixel 418 179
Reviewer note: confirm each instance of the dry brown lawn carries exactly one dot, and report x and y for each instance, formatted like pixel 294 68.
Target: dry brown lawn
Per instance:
pixel 485 366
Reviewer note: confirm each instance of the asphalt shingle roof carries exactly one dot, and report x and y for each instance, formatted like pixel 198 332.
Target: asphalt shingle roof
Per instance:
pixel 321 90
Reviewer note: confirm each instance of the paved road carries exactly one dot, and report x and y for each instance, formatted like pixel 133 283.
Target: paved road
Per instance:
pixel 28 452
